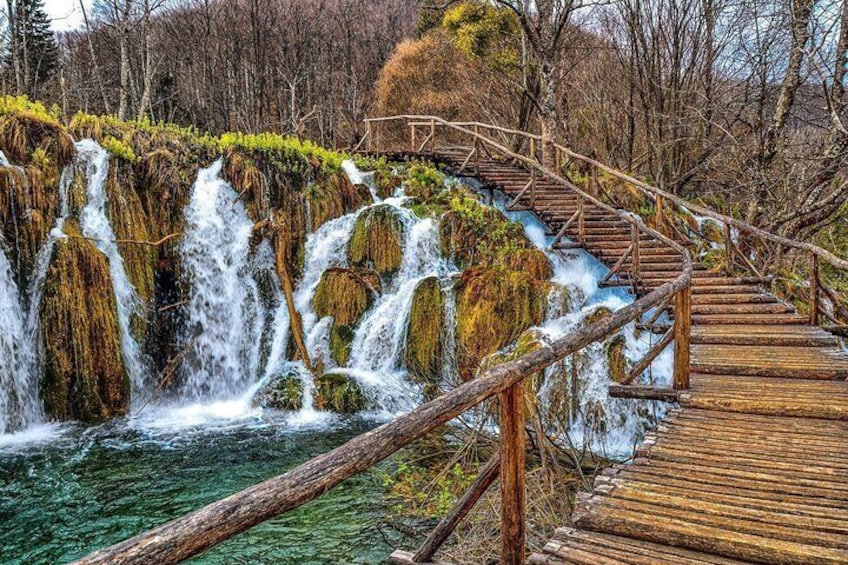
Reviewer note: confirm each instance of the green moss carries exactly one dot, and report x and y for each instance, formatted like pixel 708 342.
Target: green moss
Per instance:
pixel 616 358
pixel 377 240
pixel 338 393
pixel 335 197
pixel 84 374
pixel 119 148
pixel 345 296
pixel 531 261
pixel 474 234
pixel 284 392
pixel 424 347
pixel 494 306
pixel 423 181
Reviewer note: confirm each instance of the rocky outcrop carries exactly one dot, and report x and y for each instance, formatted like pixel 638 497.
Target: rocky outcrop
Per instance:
pixel 338 393
pixel 344 296
pixel 424 346
pixel 377 240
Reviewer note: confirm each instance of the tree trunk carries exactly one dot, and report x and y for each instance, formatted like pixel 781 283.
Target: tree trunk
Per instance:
pixel 548 115
pixel 295 321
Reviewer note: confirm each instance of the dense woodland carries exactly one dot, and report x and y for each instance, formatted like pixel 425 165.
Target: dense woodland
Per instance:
pixel 740 103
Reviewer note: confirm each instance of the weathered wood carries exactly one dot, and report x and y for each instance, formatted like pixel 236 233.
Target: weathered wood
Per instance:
pixel 463 506
pixel 644 392
pixel 814 289
pixel 399 557
pixel 682 335
pixel 636 253
pixel 581 221
pixel 288 291
pixel 512 475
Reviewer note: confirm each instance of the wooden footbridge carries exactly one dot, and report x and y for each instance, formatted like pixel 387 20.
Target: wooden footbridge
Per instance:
pixel 750 467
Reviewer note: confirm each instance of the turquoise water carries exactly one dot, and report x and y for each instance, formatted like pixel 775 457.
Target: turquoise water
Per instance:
pixel 90 487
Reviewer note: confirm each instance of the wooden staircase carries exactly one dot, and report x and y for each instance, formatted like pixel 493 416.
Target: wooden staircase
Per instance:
pixel 753 466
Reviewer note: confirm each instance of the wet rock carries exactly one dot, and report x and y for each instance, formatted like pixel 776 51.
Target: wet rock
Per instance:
pixel 339 393
pixel 377 240
pixel 424 347
pixel 345 296
pixel 283 392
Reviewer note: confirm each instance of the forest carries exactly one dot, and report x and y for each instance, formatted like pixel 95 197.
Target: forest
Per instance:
pixel 299 281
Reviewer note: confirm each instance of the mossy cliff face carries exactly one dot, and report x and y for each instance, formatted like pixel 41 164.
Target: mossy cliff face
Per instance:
pixel 38 146
pixel 377 240
pixel 84 375
pixel 333 198
pixel 344 296
pixel 424 347
pixel 494 306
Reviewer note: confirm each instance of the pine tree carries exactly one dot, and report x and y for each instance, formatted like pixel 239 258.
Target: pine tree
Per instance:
pixel 34 53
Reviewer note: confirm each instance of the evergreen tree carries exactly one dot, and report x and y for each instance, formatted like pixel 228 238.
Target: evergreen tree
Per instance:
pixel 34 53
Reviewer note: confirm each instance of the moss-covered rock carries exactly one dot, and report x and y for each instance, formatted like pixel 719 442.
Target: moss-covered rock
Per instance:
pixel 377 240
pixel 84 374
pixel 616 358
pixel 339 393
pixel 531 261
pixel 334 197
pixel 424 347
pixel 473 234
pixel 494 306
pixel 345 296
pixel 283 392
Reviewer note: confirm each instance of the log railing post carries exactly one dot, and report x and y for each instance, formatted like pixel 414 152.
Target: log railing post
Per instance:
pixel 682 337
pixel 512 475
pixel 433 136
pixel 533 148
pixel 728 249
pixel 660 215
pixel 412 145
pixel 533 188
pixel 636 259
pixel 558 160
pixel 594 185
pixel 814 289
pixel 369 136
pixel 581 221
pixel 476 144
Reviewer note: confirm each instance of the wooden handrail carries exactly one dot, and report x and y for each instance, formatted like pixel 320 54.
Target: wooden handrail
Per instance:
pixel 194 533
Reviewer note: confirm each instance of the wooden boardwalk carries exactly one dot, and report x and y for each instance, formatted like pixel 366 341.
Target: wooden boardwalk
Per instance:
pixel 753 465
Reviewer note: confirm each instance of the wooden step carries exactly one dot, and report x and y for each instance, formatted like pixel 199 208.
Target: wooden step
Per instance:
pixel 571 546
pixel 731 298
pixel 769 361
pixel 747 319
pixel 771 335
pixel 768 396
pixel 745 308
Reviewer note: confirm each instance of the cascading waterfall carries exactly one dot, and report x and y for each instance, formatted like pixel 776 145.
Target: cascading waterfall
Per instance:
pixel 95 225
pixel 19 405
pixel 224 317
pixel 624 420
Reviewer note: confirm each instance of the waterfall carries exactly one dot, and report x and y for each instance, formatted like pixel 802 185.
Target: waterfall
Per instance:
pixel 224 316
pixel 19 405
pixel 359 177
pixel 95 225
pixel 450 363
pixel 378 344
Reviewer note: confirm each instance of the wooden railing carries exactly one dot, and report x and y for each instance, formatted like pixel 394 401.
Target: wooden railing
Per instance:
pixel 196 532
pixel 477 139
pixel 759 262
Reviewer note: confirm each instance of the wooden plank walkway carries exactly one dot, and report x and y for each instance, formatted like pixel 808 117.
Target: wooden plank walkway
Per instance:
pixel 753 465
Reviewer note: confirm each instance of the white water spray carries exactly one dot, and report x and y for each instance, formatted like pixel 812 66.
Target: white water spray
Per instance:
pixel 224 323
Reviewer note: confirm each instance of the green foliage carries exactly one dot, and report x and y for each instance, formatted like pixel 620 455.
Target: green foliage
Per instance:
pixel 21 105
pixel 475 234
pixel 423 181
pixel 485 32
pixel 284 150
pixel 421 491
pixel 119 148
